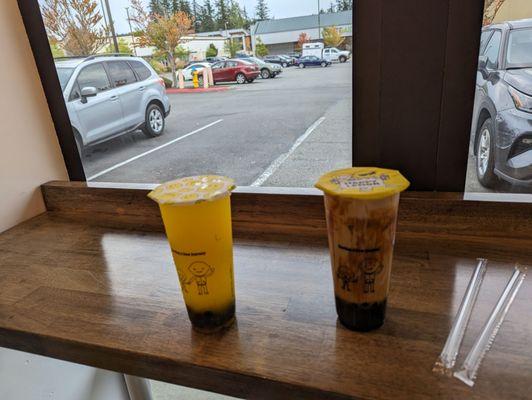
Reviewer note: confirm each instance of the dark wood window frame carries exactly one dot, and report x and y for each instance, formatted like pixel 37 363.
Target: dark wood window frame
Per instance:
pixel 414 69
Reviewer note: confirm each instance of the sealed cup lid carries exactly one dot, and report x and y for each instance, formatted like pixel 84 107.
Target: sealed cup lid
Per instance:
pixel 363 182
pixel 192 189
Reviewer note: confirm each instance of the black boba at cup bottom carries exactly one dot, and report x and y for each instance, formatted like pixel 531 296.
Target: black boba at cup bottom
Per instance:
pixel 211 321
pixel 361 317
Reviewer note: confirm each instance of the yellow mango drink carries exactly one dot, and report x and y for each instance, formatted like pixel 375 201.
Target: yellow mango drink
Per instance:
pixel 196 213
pixel 361 209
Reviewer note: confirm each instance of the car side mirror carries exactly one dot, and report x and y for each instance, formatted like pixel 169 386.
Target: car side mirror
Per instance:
pixel 88 91
pixel 482 63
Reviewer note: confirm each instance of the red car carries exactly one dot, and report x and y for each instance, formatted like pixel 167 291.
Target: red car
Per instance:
pixel 240 71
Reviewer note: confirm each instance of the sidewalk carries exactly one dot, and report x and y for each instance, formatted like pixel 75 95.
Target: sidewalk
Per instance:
pixel 328 147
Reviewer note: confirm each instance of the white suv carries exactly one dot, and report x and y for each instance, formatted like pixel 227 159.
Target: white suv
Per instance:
pixel 110 95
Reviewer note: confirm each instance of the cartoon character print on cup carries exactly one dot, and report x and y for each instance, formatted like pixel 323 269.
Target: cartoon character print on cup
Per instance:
pixel 347 276
pixel 371 267
pixel 200 272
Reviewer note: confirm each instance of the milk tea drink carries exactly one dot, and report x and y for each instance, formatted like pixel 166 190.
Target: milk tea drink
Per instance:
pixel 361 210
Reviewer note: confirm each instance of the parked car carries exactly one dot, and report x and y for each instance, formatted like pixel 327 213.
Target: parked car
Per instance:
pixel 242 55
pixel 312 61
pixel 108 96
pixel 267 70
pixel 280 60
pixel 328 53
pixel 291 60
pixel 189 71
pixel 502 114
pixel 215 59
pixel 240 71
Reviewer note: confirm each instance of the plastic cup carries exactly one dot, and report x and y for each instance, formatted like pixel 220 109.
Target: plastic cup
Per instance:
pixel 196 213
pixel 361 209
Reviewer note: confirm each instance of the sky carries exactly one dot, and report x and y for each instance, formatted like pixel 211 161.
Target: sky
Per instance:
pixel 278 9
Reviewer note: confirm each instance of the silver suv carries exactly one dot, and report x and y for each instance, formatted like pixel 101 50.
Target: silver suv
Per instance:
pixel 108 96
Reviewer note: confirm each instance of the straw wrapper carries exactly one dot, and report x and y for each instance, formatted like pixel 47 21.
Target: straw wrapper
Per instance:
pixel 468 372
pixel 447 358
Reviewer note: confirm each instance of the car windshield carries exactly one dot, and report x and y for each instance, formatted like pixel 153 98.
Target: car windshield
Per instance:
pixel 519 53
pixel 257 61
pixel 64 75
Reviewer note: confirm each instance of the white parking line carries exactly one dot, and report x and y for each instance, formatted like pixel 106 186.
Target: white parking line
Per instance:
pixel 282 158
pixel 152 150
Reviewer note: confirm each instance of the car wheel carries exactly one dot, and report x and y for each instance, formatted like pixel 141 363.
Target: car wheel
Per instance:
pixel 485 162
pixel 240 78
pixel 301 65
pixel 324 64
pixel 250 80
pixel 285 65
pixel 154 125
pixel 343 59
pixel 79 143
pixel 265 74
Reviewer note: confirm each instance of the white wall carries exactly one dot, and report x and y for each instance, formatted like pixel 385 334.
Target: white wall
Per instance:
pixel 30 156
pixel 29 150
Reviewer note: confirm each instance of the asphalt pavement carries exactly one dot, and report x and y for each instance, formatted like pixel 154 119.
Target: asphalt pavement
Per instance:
pixel 276 132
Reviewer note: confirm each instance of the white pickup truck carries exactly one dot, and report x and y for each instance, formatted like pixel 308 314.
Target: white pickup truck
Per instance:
pixel 330 53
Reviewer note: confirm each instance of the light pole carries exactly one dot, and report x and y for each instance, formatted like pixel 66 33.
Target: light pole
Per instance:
pixel 131 32
pixel 319 21
pixel 111 26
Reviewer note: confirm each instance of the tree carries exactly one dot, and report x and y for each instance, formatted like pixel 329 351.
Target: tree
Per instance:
pixel 164 32
pixel 260 48
pixel 222 14
pixel 262 11
pixel 344 5
pixel 76 25
pixel 207 23
pixel 56 50
pixel 212 51
pixel 332 37
pixel 196 15
pixel 491 7
pixel 303 38
pixel 123 47
pixel 331 8
pixel 232 47
pixel 236 17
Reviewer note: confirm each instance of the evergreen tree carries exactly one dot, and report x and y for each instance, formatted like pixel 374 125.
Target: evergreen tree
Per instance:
pixel 262 11
pixel 344 5
pixel 247 21
pixel 195 14
pixel 206 17
pixel 155 7
pixel 222 14
pixel 236 18
pixel 184 5
pixel 331 8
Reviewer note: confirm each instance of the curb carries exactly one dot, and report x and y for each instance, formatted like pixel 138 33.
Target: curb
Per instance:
pixel 199 90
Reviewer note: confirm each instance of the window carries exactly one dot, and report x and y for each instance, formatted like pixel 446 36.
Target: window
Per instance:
pixel 93 76
pixel 492 50
pixel 484 37
pixel 121 73
pixel 499 165
pixel 519 51
pixel 226 132
pixel 64 75
pixel 141 70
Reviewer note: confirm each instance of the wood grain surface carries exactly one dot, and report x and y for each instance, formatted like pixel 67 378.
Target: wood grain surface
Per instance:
pixel 110 298
pixel 297 216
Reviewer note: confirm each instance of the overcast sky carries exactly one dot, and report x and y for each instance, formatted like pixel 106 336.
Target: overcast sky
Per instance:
pixel 278 9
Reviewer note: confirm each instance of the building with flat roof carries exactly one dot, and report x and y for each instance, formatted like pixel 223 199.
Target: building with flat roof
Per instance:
pixel 281 35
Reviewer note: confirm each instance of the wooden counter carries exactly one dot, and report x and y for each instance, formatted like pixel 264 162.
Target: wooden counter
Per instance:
pixel 109 298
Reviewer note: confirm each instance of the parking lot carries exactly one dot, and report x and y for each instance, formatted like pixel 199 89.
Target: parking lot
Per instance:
pixel 276 132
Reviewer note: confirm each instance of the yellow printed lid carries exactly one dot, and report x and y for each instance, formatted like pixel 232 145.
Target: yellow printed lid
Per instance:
pixel 192 189
pixel 363 182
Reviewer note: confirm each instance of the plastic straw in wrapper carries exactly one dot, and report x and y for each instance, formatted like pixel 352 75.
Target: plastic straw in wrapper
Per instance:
pixel 447 358
pixel 469 369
